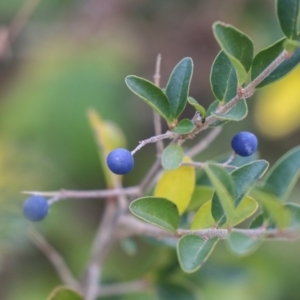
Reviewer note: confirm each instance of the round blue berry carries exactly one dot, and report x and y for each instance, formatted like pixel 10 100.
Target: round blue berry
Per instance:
pixel 120 161
pixel 244 143
pixel 35 208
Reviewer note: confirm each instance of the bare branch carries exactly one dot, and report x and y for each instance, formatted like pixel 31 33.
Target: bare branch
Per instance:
pixel 54 257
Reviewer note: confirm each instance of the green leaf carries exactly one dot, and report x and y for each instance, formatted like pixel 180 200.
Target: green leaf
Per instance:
pixel 193 251
pixel 264 58
pixel 157 211
pixel 242 244
pixel 294 210
pixel 198 107
pixel 184 126
pixel 174 291
pixel 177 89
pixel 212 108
pixel 177 185
pixel 236 113
pixel 287 12
pixel 151 94
pixel 201 194
pixel 283 176
pixel 223 184
pixel 258 221
pixel 64 293
pixel 237 46
pixel 277 212
pixel 223 78
pixel 172 157
pixel 244 178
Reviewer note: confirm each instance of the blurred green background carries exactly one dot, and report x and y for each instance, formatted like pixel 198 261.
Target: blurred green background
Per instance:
pixel 74 55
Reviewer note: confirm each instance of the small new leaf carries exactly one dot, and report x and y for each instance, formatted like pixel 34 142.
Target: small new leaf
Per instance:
pixel 193 251
pixel 198 107
pixel 172 157
pixel 236 113
pixel 177 89
pixel 237 46
pixel 157 211
pixel 184 126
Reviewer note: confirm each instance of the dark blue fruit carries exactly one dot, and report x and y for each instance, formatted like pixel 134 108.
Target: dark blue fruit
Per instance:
pixel 35 208
pixel 244 143
pixel 120 161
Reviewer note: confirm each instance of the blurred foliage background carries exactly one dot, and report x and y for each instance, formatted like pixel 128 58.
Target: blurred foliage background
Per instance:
pixel 70 56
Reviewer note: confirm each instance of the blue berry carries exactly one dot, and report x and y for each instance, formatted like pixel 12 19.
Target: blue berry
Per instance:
pixel 35 208
pixel 120 161
pixel 244 143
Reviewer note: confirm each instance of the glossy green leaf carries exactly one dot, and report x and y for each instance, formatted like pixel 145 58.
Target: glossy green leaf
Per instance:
pixel 177 89
pixel 283 176
pixel 294 210
pixel 172 157
pixel 224 186
pixel 287 12
pixel 211 109
pixel 177 185
pixel 193 251
pixel 198 107
pixel 157 211
pixel 223 78
pixel 184 126
pixel 264 58
pixel 151 94
pixel 276 210
pixel 242 244
pixel 243 178
pixel 64 293
pixel 201 194
pixel 237 113
pixel 237 46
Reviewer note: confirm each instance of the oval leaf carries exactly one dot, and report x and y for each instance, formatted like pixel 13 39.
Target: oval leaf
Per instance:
pixel 172 157
pixel 283 176
pixel 236 113
pixel 237 46
pixel 264 58
pixel 184 126
pixel 177 186
pixel 198 107
pixel 151 94
pixel 223 184
pixel 193 251
pixel 244 178
pixel 177 89
pixel 223 78
pixel 242 244
pixel 64 293
pixel 287 12
pixel 157 211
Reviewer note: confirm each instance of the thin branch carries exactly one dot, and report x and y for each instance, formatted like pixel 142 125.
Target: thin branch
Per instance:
pixel 229 160
pixel 132 226
pixel 203 165
pixel 155 139
pixel 54 257
pixel 123 288
pixel 205 142
pixel 67 194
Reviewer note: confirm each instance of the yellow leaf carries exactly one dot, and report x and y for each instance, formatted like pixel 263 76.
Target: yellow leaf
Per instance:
pixel 177 185
pixel 108 137
pixel 277 112
pixel 203 218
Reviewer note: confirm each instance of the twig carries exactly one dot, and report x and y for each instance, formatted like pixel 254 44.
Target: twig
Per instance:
pixel 67 194
pixel 154 139
pixel 54 257
pixel 229 160
pixel 123 288
pixel 133 226
pixel 101 245
pixel 203 165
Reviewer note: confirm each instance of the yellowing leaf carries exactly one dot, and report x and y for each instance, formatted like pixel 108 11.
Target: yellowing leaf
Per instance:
pixel 177 185
pixel 108 137
pixel 277 108
pixel 204 219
